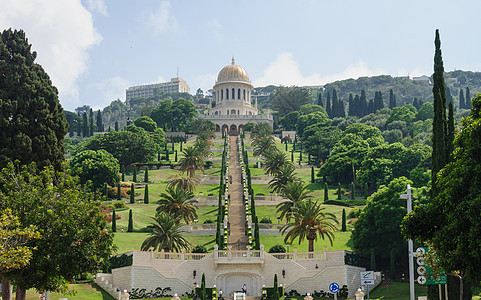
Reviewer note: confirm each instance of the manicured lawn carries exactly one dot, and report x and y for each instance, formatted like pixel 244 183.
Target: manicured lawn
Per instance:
pixel 84 292
pixel 396 291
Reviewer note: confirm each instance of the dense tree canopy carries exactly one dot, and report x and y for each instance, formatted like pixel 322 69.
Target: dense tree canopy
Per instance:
pixel 174 115
pixel 146 123
pixel 72 228
pixel 450 222
pixel 31 118
pixel 99 166
pixel 126 146
pixel 289 99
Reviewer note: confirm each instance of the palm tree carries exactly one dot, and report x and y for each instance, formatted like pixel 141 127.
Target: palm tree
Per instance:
pixel 179 203
pixel 309 222
pixel 295 192
pixel 184 182
pixel 261 130
pixel 191 161
pixel 263 145
pixel 274 160
pixel 166 235
pixel 284 175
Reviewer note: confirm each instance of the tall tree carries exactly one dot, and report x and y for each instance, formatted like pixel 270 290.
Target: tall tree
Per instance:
pixel 100 124
pixel 462 102
pixel 146 194
pixel 392 99
pixel 328 105
pixel 191 161
pixel 85 125
pixel 363 108
pixel 319 99
pixel 289 99
pixel 74 236
pixel 116 126
pixel 350 111
pixel 178 203
pixel 439 157
pixel 91 122
pixel 130 227
pixel 468 99
pixel 32 121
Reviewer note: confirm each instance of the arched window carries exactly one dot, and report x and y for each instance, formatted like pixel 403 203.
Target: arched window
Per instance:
pixel 244 94
pixel 238 112
pixel 233 93
pixel 238 94
pixel 232 112
pixel 227 94
pixel 227 112
pixel 216 113
pixel 221 94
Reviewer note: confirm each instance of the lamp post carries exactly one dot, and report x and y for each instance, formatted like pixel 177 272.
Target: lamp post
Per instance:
pixel 407 196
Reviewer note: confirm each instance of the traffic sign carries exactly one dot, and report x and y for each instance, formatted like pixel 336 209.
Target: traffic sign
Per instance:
pixel 334 287
pixel 367 281
pixel 369 275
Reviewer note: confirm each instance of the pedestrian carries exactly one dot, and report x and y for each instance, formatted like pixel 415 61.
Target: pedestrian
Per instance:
pixel 244 288
pixel 317 267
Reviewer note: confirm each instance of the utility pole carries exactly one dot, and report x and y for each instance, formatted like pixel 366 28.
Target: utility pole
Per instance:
pixel 410 245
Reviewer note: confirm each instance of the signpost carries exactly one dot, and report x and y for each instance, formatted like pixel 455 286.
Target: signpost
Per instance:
pixel 367 279
pixel 334 288
pixel 407 196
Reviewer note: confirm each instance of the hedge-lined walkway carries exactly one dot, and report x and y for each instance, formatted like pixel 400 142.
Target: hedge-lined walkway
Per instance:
pixel 236 206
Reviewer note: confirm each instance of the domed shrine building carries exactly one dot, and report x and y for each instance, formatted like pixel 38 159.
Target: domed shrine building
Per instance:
pixel 232 107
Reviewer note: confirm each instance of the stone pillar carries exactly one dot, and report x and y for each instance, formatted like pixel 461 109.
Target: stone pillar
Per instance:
pixel 359 294
pixel 124 295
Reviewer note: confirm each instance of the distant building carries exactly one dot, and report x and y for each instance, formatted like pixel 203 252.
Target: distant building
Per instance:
pixel 176 84
pixel 423 79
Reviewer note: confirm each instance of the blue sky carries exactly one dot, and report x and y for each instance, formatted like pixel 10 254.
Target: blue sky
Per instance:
pixel 95 49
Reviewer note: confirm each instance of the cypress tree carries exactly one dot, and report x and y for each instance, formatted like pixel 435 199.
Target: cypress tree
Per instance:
pixel 275 295
pixel 292 155
pixel 450 136
pixel 339 191
pixel 85 127
pixel 114 221
pixel 439 158
pixel 116 126
pixel 122 169
pixel 326 192
pixel 343 224
pixel 342 109
pixel 300 157
pixel 328 105
pixel 312 174
pixel 146 194
pixel 468 104
pixel 378 102
pixel 286 145
pixel 392 99
pixel 132 194
pixel 100 125
pixel 109 129
pixel 134 176
pixel 146 175
pixel 334 105
pixel 91 122
pixel 373 259
pixel 363 108
pixel 175 155
pixel 356 110
pixel 106 190
pixel 462 102
pixel 119 194
pixel 319 100
pixel 350 111
pixel 130 228
pixel 180 146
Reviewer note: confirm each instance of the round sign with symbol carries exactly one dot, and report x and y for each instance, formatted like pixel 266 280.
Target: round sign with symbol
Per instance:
pixel 334 287
pixel 422 279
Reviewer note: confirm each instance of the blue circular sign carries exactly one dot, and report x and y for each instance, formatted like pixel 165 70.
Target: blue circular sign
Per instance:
pixel 334 287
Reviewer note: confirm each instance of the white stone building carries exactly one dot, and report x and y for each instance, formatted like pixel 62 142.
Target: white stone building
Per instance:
pixel 228 270
pixel 176 84
pixel 232 107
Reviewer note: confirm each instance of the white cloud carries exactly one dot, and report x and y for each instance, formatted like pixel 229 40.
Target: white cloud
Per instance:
pixel 162 20
pixel 61 32
pixel 97 5
pixel 285 71
pixel 110 89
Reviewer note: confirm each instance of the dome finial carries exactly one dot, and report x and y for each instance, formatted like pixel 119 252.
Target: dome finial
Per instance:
pixel 233 60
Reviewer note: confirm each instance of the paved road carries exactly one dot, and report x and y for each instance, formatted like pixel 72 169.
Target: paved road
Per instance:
pixel 237 216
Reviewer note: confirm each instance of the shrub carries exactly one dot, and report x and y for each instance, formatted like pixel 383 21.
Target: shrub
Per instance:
pixel 266 220
pixel 199 249
pixel 208 164
pixel 277 249
pixel 119 204
pixel 208 221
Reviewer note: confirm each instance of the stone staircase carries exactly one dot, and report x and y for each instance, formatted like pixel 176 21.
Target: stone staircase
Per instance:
pixel 104 281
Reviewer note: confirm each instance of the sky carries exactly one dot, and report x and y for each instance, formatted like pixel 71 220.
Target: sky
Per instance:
pixel 94 50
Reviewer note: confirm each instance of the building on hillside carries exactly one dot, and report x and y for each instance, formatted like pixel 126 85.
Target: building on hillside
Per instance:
pixel 231 107
pixel 422 79
pixel 176 84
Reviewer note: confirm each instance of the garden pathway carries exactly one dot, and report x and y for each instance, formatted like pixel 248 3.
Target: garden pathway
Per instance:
pixel 237 216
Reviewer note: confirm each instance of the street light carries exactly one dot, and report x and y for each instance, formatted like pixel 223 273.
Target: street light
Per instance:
pixel 407 196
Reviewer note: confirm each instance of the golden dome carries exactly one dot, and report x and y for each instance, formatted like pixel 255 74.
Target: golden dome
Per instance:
pixel 233 72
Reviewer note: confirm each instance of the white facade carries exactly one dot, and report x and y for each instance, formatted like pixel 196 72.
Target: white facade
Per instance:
pixel 229 270
pixel 233 102
pixel 176 84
